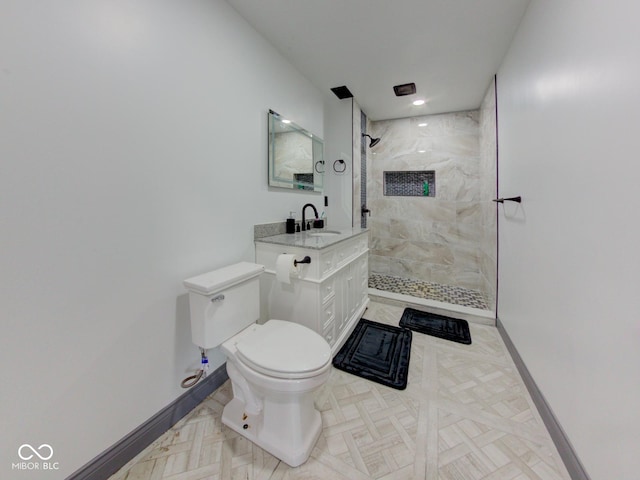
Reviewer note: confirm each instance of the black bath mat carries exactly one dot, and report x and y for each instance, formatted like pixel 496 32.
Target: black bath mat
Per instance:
pixel 453 329
pixel 377 352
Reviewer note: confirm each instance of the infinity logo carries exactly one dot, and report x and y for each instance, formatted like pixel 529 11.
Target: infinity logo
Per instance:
pixel 29 455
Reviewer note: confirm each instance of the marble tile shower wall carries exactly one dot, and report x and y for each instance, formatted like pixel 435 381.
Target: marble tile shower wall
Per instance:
pixel 435 239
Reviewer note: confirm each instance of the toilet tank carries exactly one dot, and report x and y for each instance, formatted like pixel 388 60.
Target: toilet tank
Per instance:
pixel 223 302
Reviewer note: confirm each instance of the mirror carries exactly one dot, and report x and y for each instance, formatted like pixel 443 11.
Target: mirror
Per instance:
pixel 295 156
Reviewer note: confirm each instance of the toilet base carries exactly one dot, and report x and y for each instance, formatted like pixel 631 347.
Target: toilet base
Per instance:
pixel 252 428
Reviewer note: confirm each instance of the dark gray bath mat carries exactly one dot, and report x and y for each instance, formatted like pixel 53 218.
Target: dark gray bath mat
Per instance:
pixel 377 352
pixel 453 329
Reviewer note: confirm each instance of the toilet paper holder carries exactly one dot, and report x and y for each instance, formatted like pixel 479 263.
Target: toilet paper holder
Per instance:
pixel 306 259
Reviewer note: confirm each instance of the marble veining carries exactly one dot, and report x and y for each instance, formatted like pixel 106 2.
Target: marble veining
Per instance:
pixel 447 238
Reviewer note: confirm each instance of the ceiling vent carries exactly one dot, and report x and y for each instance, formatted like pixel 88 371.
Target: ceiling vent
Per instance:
pixel 342 92
pixel 406 89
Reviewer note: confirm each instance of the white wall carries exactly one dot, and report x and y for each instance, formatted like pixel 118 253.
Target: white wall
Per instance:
pixel 569 278
pixel 338 185
pixel 356 164
pixel 133 154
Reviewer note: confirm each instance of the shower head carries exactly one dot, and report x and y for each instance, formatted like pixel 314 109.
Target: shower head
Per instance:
pixel 373 142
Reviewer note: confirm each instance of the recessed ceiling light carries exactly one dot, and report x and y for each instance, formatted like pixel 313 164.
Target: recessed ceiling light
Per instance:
pixel 418 102
pixel 286 121
pixel 422 151
pixel 422 124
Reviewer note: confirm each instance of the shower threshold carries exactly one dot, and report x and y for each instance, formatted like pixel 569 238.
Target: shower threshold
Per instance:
pixel 433 297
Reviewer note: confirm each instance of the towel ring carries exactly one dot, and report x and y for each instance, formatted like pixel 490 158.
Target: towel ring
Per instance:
pixel 340 162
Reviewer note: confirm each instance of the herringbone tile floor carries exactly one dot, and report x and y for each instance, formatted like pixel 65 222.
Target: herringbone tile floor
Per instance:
pixel 465 415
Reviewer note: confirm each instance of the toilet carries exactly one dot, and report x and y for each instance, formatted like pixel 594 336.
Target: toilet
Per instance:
pixel 275 368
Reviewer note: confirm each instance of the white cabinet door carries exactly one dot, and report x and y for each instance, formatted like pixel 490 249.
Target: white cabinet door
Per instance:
pixel 327 295
pixel 342 300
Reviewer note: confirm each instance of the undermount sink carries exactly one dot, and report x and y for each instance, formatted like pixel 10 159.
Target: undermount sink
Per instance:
pixel 326 233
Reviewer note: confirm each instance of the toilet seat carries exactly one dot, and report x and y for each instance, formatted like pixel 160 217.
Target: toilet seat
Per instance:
pixel 284 350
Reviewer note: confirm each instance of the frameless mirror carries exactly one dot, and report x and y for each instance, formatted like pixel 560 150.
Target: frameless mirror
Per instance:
pixel 295 155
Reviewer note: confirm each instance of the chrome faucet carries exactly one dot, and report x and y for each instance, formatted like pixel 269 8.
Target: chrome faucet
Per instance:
pixel 315 211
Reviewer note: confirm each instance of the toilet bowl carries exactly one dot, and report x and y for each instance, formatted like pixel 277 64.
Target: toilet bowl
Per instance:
pixel 275 368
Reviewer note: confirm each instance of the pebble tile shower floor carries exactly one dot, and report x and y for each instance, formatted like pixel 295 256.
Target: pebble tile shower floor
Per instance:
pixel 430 291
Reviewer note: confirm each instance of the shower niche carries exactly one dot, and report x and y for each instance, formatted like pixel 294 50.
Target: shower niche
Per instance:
pixel 417 183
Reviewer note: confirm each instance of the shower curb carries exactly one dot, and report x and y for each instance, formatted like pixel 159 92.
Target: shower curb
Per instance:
pixel 117 456
pixel 472 315
pixel 558 436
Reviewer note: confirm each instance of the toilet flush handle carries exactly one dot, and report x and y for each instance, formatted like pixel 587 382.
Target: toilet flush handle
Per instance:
pixel 218 298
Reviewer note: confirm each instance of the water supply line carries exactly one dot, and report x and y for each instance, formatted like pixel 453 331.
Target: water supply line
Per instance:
pixel 202 371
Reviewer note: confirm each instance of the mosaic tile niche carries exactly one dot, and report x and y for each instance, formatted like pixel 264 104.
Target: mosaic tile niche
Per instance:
pixel 410 184
pixel 430 238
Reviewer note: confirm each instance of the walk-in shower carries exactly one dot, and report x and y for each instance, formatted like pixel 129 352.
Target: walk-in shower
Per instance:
pixel 430 187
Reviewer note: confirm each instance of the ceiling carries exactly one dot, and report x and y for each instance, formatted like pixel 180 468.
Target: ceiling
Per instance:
pixel 449 48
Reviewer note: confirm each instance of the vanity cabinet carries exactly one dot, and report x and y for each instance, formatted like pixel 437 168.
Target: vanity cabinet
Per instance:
pixel 328 295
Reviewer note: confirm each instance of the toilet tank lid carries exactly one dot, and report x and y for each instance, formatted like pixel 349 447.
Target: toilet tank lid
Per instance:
pixel 225 277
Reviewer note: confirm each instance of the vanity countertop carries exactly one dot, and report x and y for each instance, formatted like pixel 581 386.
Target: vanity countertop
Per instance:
pixel 313 238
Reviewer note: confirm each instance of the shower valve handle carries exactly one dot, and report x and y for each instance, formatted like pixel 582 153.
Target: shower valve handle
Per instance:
pixel 364 211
